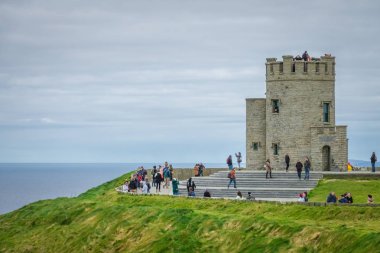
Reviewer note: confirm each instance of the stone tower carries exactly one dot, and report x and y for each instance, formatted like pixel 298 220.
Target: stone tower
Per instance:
pixel 297 117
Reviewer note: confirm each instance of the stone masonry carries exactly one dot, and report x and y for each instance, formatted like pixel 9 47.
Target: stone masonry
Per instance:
pixel 297 117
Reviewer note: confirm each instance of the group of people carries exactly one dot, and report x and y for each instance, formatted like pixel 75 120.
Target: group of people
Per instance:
pixel 299 166
pixel 139 180
pixel 162 174
pixel 199 169
pixel 238 160
pixel 346 198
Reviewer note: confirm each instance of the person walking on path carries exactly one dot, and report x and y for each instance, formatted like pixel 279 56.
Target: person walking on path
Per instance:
pixel 307 166
pixel 268 169
pixel 229 162
pixel 238 158
pixel 232 177
pixel 287 162
pixel 299 169
pixel 373 161
pixel 190 184
pixel 157 179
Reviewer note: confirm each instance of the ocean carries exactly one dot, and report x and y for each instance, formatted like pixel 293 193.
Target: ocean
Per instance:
pixel 24 183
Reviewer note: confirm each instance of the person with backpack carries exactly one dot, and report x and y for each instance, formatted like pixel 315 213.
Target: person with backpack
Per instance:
pixel 232 176
pixel 229 162
pixel 373 161
pixel 190 183
pixel 157 179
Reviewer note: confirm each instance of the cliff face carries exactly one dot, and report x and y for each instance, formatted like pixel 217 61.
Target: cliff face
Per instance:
pixel 101 220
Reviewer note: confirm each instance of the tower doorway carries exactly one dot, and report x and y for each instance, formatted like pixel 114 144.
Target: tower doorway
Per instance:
pixel 326 158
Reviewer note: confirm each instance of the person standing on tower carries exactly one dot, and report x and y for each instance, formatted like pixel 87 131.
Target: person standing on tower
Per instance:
pixel 238 158
pixel 287 161
pixel 373 161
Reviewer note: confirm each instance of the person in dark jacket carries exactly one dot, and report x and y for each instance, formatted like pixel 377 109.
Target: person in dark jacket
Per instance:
pixel 207 194
pixel 268 169
pixel 157 179
pixel 331 198
pixel 299 169
pixel 373 161
pixel 190 183
pixel 287 162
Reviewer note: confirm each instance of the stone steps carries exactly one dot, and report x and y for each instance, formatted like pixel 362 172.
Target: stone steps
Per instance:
pixel 282 185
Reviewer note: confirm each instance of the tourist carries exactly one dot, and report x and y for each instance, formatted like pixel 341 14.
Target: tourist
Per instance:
pixel 125 186
pixel 268 169
pixel 250 197
pixel 301 198
pixel 373 161
pixel 287 162
pixel 331 198
pixel 370 199
pixel 238 158
pixel 166 175
pixel 229 162
pixel 307 168
pixel 154 171
pixel 207 194
pixel 157 179
pixel 196 170
pixel 144 172
pixel 132 184
pixel 343 198
pixel 239 196
pixel 201 169
pixel 349 198
pixel 305 56
pixel 191 192
pixel 299 169
pixel 306 198
pixel 145 189
pixel 232 177
pixel 190 183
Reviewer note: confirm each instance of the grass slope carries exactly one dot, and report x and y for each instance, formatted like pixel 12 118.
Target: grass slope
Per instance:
pixel 359 188
pixel 101 220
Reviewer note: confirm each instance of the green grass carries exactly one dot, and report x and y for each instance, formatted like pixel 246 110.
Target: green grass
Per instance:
pixel 102 220
pixel 357 187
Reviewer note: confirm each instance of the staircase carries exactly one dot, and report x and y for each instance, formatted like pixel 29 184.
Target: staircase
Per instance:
pixel 283 186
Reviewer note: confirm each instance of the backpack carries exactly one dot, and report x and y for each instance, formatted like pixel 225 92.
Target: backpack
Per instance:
pixel 229 175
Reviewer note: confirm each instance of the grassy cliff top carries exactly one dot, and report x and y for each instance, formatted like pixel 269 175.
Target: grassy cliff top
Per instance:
pixel 102 220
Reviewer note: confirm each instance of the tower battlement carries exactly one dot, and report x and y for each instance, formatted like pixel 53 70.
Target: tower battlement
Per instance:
pixel 290 68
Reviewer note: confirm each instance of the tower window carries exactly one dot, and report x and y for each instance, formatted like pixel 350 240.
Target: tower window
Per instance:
pixel 271 68
pixel 326 112
pixel 326 68
pixel 333 69
pixel 317 67
pixel 275 106
pixel 305 67
pixel 293 67
pixel 275 148
pixel 281 67
pixel 255 145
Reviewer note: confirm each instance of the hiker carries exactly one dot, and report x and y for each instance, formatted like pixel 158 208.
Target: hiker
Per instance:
pixel 229 162
pixel 238 158
pixel 287 162
pixel 250 197
pixel 268 169
pixel 171 170
pixel 299 169
pixel 370 199
pixel 191 192
pixel 305 56
pixel 373 161
pixel 307 168
pixel 207 194
pixel 232 177
pixel 157 179
pixel 190 184
pixel 331 198
pixel 239 196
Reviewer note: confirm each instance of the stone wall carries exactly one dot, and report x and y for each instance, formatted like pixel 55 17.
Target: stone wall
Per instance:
pixel 256 133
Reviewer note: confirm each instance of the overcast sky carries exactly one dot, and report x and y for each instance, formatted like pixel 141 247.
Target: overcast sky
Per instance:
pixel 149 81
